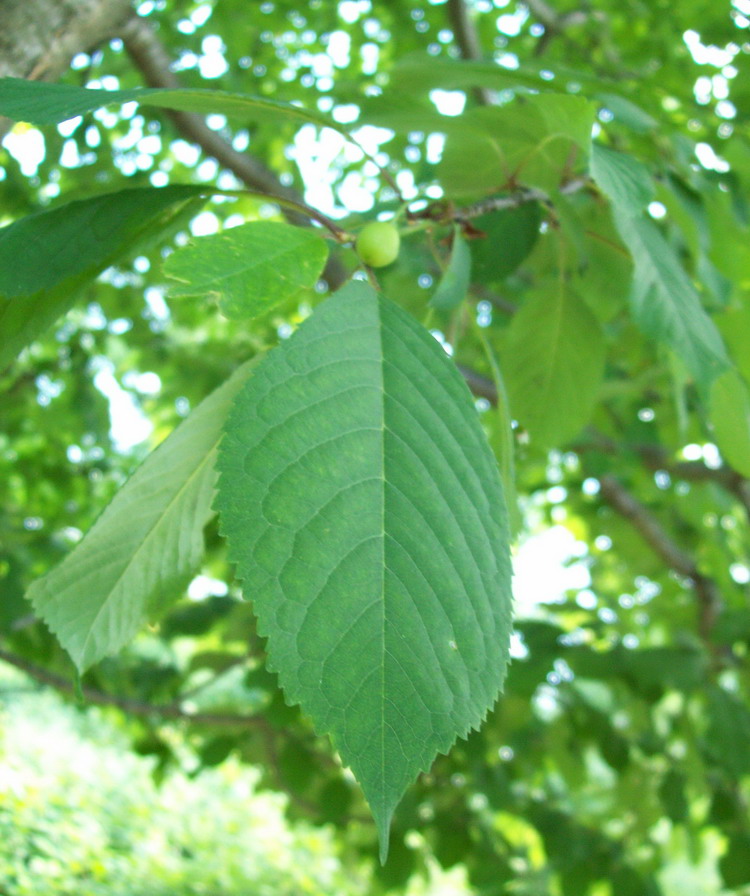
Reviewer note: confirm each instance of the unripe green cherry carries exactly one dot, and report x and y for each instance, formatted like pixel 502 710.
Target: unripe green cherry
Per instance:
pixel 377 244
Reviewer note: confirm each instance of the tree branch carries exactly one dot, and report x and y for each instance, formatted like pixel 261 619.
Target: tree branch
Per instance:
pixel 467 41
pixel 709 598
pixel 654 457
pixel 38 40
pixel 172 711
pixel 151 58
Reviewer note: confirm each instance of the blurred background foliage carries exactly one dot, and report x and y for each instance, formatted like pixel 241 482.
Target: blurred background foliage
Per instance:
pixel 618 761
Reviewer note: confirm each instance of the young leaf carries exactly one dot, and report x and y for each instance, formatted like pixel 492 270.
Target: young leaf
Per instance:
pixel 249 268
pixel 365 515
pixel 45 258
pixel 144 546
pixel 553 364
pixel 454 284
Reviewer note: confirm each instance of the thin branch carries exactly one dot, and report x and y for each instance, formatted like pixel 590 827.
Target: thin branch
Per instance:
pixel 467 41
pixel 655 458
pixel 173 711
pixel 643 521
pixel 150 56
pixel 518 198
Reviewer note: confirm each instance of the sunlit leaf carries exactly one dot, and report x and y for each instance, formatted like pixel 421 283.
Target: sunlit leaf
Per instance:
pixel 146 544
pixel 250 268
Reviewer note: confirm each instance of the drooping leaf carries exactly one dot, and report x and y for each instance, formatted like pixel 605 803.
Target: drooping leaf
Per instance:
pixel 729 415
pixel 624 179
pixel 45 258
pixel 41 103
pixel 144 546
pixel 665 303
pixel 249 268
pixel 553 363
pixel 365 515
pixel 454 284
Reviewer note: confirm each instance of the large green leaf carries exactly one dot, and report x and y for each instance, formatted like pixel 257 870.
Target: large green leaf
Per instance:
pixel 665 303
pixel 366 517
pixel 553 363
pixel 144 546
pixel 45 258
pixel 41 103
pixel 249 268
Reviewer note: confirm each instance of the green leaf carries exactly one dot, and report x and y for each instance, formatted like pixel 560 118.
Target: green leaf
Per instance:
pixel 607 270
pixel 536 141
pixel 418 72
pixel 553 363
pixel 734 865
pixel 630 114
pixel 41 103
pixel 454 284
pixel 728 733
pixel 47 257
pixel 624 179
pixel 665 303
pixel 510 236
pixel 734 325
pixel 144 546
pixel 365 515
pixel 729 415
pixel 249 268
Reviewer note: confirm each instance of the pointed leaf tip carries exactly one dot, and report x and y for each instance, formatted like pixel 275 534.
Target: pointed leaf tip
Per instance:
pixel 365 514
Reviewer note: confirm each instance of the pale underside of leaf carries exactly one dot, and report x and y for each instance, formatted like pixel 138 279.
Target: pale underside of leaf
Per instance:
pixel 365 514
pixel 144 546
pixel 249 268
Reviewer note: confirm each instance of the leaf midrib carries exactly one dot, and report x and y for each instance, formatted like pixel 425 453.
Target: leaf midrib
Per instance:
pixel 147 537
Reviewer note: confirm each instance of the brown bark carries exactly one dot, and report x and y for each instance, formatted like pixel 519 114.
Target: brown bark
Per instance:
pixel 38 38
